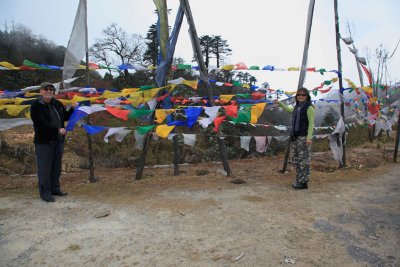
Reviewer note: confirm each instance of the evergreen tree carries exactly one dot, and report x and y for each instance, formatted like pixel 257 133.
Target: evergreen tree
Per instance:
pixel 214 47
pixel 151 54
pixel 206 43
pixel 187 74
pixel 220 48
pixel 331 117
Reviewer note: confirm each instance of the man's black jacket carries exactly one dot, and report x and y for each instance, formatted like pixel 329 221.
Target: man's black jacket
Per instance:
pixel 45 125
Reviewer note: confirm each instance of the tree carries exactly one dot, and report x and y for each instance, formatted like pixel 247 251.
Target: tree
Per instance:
pixel 116 43
pixel 19 43
pixel 187 74
pixel 151 54
pixel 331 117
pixel 206 43
pixel 220 48
pixel 214 47
pixel 252 80
pixel 96 51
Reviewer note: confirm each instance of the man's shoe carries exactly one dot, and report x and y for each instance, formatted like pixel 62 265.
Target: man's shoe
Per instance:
pixel 297 185
pixel 48 198
pixel 60 193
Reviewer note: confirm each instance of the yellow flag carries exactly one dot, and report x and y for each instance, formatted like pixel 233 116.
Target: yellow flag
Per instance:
pixel 151 93
pixel 19 100
pixel 256 111
pixel 164 31
pixel 77 98
pixel 4 101
pixel 161 114
pixel 8 65
pixel 226 98
pixel 164 130
pixel 192 84
pixel 128 91
pixel 66 102
pixel 109 94
pixel 367 89
pixel 227 67
pixel 14 110
pixel 31 94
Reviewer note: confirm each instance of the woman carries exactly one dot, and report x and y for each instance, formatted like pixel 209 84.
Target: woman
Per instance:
pixel 301 136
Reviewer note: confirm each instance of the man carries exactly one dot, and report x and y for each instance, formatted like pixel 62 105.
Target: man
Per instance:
pixel 48 116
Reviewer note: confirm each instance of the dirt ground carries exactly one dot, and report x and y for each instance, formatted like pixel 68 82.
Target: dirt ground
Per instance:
pixel 348 217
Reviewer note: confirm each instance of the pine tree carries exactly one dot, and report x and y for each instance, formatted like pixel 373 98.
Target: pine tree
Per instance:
pixel 331 117
pixel 220 48
pixel 151 54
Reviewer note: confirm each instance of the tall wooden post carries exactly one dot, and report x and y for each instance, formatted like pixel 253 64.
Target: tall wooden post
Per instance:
pixel 339 60
pixel 303 70
pixel 396 148
pixel 92 178
pixel 306 44
pixel 204 75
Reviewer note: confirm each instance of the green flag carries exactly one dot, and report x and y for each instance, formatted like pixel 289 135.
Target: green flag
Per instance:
pixel 136 113
pixel 144 129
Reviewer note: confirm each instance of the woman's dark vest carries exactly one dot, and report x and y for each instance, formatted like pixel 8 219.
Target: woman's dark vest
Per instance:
pixel 303 126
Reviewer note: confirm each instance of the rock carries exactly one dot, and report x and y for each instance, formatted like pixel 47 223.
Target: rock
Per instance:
pixel 222 172
pixel 238 181
pixel 103 213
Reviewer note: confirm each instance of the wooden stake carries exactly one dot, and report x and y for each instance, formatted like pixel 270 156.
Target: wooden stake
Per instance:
pixel 176 155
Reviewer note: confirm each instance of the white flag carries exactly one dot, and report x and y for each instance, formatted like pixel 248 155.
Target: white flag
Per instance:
pixel 78 42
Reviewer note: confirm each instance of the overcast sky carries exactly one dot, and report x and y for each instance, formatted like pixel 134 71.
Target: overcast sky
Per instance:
pixel 260 32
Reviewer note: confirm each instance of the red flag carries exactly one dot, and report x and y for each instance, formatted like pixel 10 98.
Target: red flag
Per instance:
pixel 122 114
pixel 231 110
pixel 367 73
pixel 217 122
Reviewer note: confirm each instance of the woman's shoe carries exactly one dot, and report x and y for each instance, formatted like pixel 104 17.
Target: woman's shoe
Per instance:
pixel 48 198
pixel 60 193
pixel 297 185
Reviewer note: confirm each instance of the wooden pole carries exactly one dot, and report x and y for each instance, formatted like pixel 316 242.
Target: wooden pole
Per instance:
pixel 92 178
pixel 204 76
pixel 396 147
pixel 339 60
pixel 147 140
pixel 303 70
pixel 306 44
pixel 176 155
pixel 142 159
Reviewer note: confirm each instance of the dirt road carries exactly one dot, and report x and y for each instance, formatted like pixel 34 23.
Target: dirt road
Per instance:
pixel 349 218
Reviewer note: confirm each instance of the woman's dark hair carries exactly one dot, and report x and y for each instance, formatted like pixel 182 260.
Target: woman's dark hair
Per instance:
pixel 305 91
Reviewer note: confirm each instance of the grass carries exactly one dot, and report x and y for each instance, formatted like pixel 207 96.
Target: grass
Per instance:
pixel 74 247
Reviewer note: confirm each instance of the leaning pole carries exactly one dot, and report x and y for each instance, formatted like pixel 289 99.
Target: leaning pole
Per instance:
pixel 339 60
pixel 204 76
pixel 302 76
